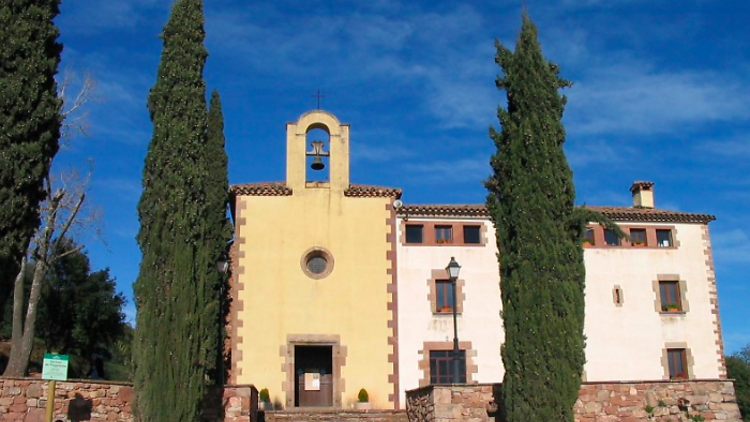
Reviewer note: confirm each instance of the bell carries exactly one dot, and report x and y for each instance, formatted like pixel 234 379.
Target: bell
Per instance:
pixel 317 163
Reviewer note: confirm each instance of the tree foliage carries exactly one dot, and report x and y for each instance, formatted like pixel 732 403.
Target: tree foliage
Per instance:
pixel 738 369
pixel 539 230
pixel 80 311
pixel 220 231
pixel 177 289
pixel 30 122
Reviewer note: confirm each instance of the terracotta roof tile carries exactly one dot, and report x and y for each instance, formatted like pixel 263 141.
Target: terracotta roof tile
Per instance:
pixel 281 189
pixel 356 190
pixel 261 189
pixel 615 213
pixel 452 210
pixel 652 215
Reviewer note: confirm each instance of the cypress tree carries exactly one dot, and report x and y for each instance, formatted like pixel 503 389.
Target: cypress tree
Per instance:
pixel 174 296
pixel 220 229
pixel 29 124
pixel 531 200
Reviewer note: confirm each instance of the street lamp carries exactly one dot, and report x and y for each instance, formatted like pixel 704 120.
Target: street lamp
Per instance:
pixel 222 265
pixel 453 269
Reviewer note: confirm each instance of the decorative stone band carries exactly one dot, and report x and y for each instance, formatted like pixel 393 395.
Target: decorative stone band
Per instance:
pixel 714 400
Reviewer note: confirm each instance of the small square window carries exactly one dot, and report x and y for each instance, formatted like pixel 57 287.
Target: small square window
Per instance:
pixel 664 238
pixel 638 237
pixel 472 235
pixel 669 296
pixel 444 302
pixel 611 238
pixel 677 364
pixel 414 233
pixel 441 366
pixel 588 236
pixel 444 234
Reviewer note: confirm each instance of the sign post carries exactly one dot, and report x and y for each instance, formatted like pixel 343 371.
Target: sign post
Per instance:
pixel 54 368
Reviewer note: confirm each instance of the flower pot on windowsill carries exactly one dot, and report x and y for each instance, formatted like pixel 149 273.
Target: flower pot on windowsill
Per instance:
pixel 362 405
pixel 671 308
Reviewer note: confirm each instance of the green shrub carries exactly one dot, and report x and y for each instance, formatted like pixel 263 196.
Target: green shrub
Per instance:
pixel 363 397
pixel 264 396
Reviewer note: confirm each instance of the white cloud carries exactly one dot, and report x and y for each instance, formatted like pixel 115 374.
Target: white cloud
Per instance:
pixel 732 246
pixel 424 53
pixel 124 189
pixel 89 17
pixel 459 171
pixel 635 99
pixel 734 341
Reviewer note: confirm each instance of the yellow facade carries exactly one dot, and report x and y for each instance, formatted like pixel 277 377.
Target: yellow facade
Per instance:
pixel 281 309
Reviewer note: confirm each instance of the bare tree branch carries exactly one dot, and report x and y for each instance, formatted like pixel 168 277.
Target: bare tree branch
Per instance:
pixel 75 113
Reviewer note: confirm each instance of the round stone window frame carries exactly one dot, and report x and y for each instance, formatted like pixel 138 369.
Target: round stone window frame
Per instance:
pixel 314 252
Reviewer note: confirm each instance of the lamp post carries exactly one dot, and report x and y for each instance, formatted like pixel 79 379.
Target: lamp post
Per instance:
pixel 222 265
pixel 453 269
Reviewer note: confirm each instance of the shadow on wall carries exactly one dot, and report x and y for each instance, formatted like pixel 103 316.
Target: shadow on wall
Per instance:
pixel 79 409
pixel 495 407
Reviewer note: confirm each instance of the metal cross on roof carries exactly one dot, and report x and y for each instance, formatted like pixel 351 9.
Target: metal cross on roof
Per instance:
pixel 319 96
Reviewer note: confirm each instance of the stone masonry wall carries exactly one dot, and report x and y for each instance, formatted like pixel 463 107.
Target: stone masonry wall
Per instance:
pixel 25 399
pixel 698 400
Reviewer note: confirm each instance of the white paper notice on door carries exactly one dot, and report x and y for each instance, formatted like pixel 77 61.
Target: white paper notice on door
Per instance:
pixel 312 381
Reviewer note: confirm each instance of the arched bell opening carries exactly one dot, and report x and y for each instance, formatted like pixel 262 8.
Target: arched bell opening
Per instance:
pixel 317 155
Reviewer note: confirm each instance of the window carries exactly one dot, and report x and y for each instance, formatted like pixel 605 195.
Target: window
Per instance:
pixel 588 236
pixel 441 367
pixel 317 263
pixel 664 238
pixel 444 234
pixel 444 303
pixel 472 235
pixel 677 361
pixel 669 295
pixel 638 237
pixel 617 295
pixel 414 233
pixel 611 238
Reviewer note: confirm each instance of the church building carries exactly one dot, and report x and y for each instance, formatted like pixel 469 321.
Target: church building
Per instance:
pixel 338 287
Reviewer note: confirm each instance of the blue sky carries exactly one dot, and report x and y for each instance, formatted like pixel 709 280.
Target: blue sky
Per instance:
pixel 658 95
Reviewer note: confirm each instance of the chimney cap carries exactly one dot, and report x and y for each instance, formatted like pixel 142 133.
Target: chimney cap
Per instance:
pixel 640 185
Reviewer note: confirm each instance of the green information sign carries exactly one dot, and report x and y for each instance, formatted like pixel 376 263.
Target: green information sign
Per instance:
pixel 55 367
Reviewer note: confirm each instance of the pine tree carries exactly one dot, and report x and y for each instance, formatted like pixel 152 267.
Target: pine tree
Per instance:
pixel 174 294
pixel 29 124
pixel 538 235
pixel 220 231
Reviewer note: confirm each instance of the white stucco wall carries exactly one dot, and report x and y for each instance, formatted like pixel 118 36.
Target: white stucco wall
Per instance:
pixel 480 321
pixel 626 342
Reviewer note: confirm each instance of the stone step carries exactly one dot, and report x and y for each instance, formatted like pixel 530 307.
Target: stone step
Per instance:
pixel 333 415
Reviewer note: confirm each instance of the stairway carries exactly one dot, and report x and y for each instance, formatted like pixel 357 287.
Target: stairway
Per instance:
pixel 332 415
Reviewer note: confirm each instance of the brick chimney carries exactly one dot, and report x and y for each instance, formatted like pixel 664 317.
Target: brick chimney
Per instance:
pixel 643 194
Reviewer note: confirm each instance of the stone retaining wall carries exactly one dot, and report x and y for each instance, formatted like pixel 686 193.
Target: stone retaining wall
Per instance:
pixel 25 399
pixel 660 401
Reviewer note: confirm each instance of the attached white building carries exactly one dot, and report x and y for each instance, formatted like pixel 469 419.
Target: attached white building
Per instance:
pixel 651 300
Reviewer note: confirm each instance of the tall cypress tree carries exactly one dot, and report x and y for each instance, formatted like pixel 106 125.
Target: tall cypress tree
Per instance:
pixel 29 123
pixel 220 231
pixel 531 200
pixel 175 299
